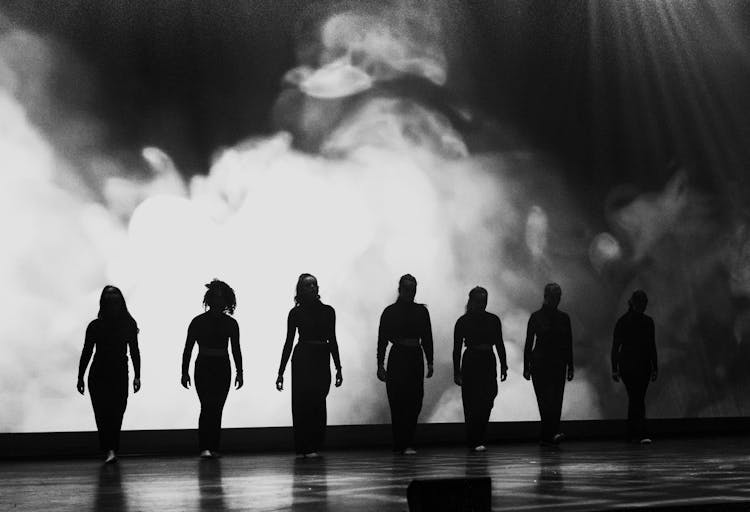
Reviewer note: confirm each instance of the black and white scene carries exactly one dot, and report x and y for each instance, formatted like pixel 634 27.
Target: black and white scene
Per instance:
pixel 375 255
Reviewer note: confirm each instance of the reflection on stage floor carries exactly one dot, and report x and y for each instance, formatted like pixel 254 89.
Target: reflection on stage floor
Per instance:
pixel 576 476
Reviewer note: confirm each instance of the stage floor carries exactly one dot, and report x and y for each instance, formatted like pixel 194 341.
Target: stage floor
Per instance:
pixel 577 476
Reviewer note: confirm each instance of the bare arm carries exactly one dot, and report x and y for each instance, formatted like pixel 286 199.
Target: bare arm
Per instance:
pixel 500 347
pixel 382 339
pixel 87 352
pixel 616 347
pixel 652 347
pixel 568 343
pixel 188 351
pixel 427 344
pixel 529 346
pixel 234 341
pixel 286 352
pixel 333 343
pixel 458 341
pixel 135 353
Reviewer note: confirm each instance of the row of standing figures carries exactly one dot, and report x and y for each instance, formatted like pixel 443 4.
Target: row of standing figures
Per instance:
pixel 405 324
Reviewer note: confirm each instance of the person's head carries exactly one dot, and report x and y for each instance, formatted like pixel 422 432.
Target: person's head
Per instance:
pixel 307 289
pixel 112 303
pixel 477 299
pixel 638 301
pixel 219 297
pixel 407 287
pixel 552 294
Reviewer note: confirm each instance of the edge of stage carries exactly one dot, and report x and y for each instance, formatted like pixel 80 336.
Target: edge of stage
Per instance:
pixel 340 437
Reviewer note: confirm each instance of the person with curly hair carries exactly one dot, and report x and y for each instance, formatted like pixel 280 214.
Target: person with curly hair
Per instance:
pixel 311 366
pixel 480 331
pixel 213 330
pixel 111 333
pixel 405 324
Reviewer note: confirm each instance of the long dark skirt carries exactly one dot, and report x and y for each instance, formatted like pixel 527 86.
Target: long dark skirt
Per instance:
pixel 636 378
pixel 311 380
pixel 108 387
pixel 212 381
pixel 478 392
pixel 548 376
pixel 405 386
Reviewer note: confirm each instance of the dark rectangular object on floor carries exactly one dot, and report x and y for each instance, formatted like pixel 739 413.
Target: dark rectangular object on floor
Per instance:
pixel 450 495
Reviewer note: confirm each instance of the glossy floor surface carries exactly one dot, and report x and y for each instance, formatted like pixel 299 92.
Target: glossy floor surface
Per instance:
pixel 577 476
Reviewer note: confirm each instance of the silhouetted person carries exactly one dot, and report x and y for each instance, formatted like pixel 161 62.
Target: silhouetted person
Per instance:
pixel 213 330
pixel 480 331
pixel 634 360
pixel 311 364
pixel 111 333
pixel 406 325
pixel 547 354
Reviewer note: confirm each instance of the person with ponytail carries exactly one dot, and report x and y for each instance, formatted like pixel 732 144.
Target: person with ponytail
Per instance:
pixel 311 364
pixel 213 330
pixel 548 361
pixel 111 334
pixel 406 325
pixel 480 331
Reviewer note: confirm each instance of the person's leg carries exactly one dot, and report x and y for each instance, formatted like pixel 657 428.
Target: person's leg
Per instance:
pixel 301 398
pixel 220 392
pixel 202 388
pixel 98 403
pixel 630 427
pixel 322 386
pixel 540 378
pixel 639 392
pixel 480 388
pixel 631 380
pixel 119 404
pixel 415 396
pixel 557 391
pixel 467 406
pixel 395 383
pixel 489 392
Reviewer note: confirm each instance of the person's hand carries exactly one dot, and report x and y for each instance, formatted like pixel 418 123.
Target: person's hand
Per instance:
pixel 381 374
pixel 616 376
pixel 654 375
pixel 527 374
pixel 429 371
pixel 503 374
pixel 238 381
pixel 570 373
pixel 80 386
pixel 136 384
pixel 457 379
pixel 280 383
pixel 185 381
pixel 339 378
